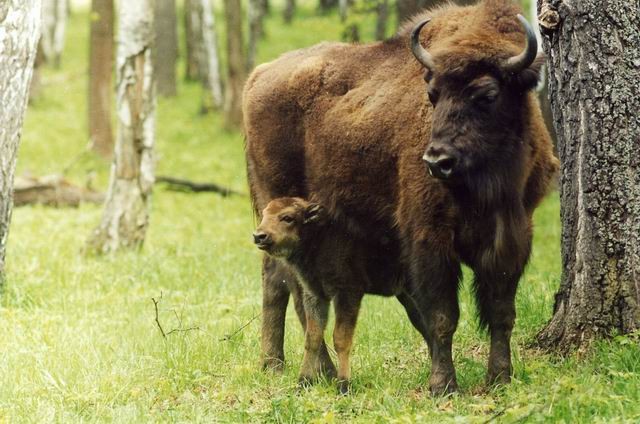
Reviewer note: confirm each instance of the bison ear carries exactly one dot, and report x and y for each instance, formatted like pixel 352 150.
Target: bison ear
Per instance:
pixel 314 214
pixel 529 77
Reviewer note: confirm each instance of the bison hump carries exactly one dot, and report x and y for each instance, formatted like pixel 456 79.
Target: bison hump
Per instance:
pixel 307 79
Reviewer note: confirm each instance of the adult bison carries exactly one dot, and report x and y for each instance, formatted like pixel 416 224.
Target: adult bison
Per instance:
pixel 440 161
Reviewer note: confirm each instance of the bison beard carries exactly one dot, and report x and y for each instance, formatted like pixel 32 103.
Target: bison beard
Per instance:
pixel 348 126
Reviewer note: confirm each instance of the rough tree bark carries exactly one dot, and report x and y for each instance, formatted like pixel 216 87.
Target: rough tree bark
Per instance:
pixel 54 24
pixel 166 47
pixel 593 51
pixel 126 212
pixel 235 66
pixel 19 33
pixel 100 77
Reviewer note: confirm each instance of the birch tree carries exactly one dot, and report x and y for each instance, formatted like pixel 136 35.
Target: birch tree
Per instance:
pixel 593 51
pixel 203 44
pixel 100 76
pixel 54 25
pixel 19 33
pixel 126 213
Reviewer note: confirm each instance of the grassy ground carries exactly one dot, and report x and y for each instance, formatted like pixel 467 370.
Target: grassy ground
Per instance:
pixel 79 340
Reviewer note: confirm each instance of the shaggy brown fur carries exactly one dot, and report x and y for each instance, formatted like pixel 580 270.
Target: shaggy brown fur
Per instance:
pixel 348 125
pixel 332 265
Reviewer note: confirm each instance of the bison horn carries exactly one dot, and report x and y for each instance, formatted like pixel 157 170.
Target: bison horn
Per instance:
pixel 522 61
pixel 423 56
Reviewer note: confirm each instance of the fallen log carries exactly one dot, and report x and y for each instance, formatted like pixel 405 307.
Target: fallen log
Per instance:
pixel 179 184
pixel 52 190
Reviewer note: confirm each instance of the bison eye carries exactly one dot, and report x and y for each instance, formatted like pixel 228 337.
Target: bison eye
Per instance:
pixel 433 96
pixel 486 98
pixel 286 218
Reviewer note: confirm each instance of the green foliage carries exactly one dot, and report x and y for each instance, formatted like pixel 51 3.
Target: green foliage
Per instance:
pixel 79 338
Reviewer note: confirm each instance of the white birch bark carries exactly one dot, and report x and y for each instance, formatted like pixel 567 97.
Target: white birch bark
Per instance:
pixel 54 24
pixel 210 57
pixel 126 213
pixel 19 34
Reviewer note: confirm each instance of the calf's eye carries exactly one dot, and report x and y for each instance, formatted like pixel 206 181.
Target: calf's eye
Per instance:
pixel 286 218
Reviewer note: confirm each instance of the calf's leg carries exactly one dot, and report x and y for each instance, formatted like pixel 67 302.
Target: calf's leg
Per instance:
pixel 275 297
pixel 313 366
pixel 347 306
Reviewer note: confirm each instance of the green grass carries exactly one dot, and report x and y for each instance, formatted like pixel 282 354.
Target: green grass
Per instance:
pixel 79 341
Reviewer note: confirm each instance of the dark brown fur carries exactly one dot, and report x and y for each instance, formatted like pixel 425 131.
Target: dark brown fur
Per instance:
pixel 347 126
pixel 332 265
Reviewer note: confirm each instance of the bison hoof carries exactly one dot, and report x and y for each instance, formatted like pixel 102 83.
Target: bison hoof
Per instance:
pixel 344 386
pixel 498 378
pixel 443 386
pixel 273 364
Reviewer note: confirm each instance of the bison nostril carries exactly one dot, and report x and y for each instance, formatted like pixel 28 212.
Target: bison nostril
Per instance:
pixel 441 166
pixel 446 164
pixel 260 238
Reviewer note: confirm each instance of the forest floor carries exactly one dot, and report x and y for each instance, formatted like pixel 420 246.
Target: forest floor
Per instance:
pixel 78 334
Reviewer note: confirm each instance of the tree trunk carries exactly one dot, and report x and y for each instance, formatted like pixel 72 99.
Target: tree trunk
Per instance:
pixel 54 23
pixel 594 58
pixel 256 31
pixel 19 33
pixel 382 16
pixel 235 65
pixel 166 47
pixel 326 5
pixel 36 82
pixel 290 10
pixel 209 57
pixel 126 214
pixel 100 76
pixel 192 24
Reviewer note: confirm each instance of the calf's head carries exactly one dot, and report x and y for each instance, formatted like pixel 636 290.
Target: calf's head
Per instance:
pixel 285 223
pixel 478 100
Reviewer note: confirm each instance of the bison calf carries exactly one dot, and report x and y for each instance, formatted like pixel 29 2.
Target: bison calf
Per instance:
pixel 331 266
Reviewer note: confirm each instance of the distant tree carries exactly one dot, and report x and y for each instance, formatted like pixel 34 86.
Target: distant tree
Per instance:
pixel 289 10
pixel 100 76
pixel 20 22
pixel 235 66
pixel 209 57
pixel 126 213
pixel 326 5
pixel 166 47
pixel 54 24
pixel 193 32
pixel 382 16
pixel 36 81
pixel 594 66
pixel 256 12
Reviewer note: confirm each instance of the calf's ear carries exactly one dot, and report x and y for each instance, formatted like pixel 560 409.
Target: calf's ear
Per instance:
pixel 529 77
pixel 314 214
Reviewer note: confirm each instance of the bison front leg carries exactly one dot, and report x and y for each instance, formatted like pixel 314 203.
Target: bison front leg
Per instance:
pixel 434 292
pixel 275 297
pixel 347 306
pixel 496 302
pixel 313 363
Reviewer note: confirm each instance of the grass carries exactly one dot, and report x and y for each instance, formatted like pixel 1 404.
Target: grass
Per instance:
pixel 79 340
